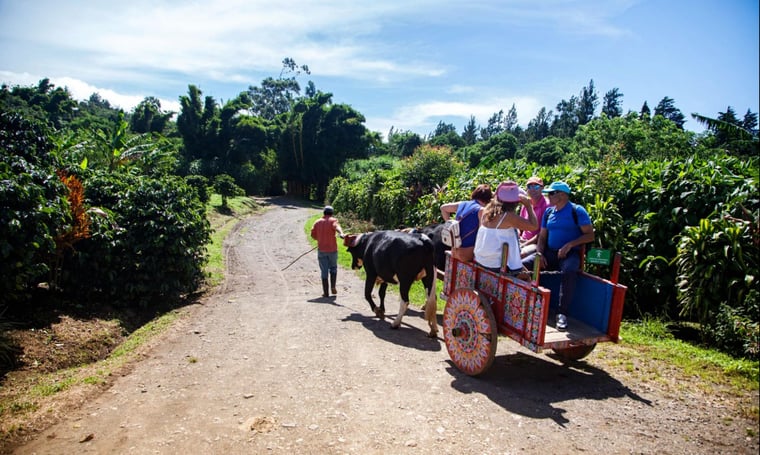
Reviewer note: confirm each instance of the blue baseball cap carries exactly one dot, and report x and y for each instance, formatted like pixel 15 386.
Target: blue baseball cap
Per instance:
pixel 557 186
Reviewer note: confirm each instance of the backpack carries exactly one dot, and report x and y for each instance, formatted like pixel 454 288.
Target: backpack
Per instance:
pixel 451 235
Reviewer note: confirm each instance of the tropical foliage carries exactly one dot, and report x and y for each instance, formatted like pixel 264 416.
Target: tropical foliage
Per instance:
pixel 104 206
pixel 683 212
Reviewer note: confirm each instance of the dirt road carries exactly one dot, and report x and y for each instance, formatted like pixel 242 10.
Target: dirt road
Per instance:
pixel 266 365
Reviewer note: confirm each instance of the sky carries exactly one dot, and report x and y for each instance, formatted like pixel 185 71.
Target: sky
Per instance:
pixel 406 64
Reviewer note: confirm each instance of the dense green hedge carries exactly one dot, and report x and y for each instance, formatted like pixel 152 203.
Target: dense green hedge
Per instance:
pixel 150 248
pixel 654 212
pixel 387 193
pixel 33 207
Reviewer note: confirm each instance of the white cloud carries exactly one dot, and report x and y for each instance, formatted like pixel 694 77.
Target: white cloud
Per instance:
pixel 422 118
pixel 125 50
pixel 459 89
pixel 224 40
pixel 229 40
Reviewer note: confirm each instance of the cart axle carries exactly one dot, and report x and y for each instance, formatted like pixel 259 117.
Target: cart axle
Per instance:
pixel 457 332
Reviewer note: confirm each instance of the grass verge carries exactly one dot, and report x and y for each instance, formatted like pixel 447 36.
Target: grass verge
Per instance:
pixel 222 222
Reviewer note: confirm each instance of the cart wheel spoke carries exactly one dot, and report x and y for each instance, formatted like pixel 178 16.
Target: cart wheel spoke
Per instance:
pixel 469 331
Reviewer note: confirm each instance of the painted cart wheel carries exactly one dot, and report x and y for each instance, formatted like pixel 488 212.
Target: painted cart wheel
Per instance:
pixel 469 331
pixel 575 352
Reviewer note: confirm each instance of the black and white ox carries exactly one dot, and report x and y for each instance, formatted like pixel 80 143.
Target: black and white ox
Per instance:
pixel 398 258
pixel 439 248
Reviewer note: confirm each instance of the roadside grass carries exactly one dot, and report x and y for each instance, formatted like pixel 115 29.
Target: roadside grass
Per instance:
pixel 36 397
pixel 650 352
pixel 655 339
pixel 222 222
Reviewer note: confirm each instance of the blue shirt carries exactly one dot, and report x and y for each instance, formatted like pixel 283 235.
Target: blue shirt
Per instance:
pixel 560 226
pixel 468 226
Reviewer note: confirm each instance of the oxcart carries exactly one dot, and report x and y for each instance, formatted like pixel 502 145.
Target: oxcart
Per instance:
pixel 481 305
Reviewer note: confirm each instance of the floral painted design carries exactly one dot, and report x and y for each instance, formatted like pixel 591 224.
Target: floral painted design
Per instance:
pixel 515 298
pixel 465 276
pixel 535 323
pixel 489 284
pixel 468 330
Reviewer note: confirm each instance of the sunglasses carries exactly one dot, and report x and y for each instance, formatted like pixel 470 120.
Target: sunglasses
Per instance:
pixel 552 193
pixel 534 186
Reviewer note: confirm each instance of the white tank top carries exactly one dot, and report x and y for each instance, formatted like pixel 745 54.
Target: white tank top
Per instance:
pixel 488 246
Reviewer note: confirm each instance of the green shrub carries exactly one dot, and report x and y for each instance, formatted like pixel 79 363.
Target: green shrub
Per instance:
pixel 548 151
pixel 426 169
pixel 354 170
pixel 225 185
pixel 658 201
pixel 717 263
pixel 349 197
pixel 151 247
pixel 717 278
pixel 390 205
pixel 201 185
pixel 735 330
pixel 33 207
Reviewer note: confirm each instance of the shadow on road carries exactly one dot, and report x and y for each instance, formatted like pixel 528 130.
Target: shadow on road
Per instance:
pixel 328 300
pixel 287 202
pixel 532 386
pixel 407 336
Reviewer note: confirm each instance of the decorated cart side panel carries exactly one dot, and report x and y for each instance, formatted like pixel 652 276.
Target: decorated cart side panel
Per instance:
pixel 523 310
pixel 520 308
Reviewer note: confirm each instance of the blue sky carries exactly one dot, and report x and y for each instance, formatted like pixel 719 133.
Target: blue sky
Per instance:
pixel 407 64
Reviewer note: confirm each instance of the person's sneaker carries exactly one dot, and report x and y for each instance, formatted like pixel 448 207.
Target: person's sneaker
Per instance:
pixel 561 322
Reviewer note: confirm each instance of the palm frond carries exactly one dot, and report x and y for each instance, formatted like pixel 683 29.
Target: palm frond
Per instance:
pixel 726 127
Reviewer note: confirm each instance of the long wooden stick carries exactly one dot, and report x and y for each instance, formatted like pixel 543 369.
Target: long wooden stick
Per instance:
pixel 299 257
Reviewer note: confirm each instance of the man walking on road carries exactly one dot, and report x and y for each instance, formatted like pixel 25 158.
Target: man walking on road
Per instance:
pixel 323 232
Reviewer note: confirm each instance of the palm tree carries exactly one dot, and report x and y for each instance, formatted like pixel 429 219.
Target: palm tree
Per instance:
pixel 739 138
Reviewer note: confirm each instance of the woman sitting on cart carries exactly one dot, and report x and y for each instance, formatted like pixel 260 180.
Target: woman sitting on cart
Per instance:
pixel 499 225
pixel 468 215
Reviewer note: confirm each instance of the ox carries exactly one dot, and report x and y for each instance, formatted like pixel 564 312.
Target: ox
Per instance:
pixel 439 248
pixel 397 258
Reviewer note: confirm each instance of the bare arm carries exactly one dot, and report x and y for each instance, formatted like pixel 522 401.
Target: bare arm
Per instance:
pixel 339 229
pixel 531 224
pixel 448 209
pixel 587 236
pixel 531 241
